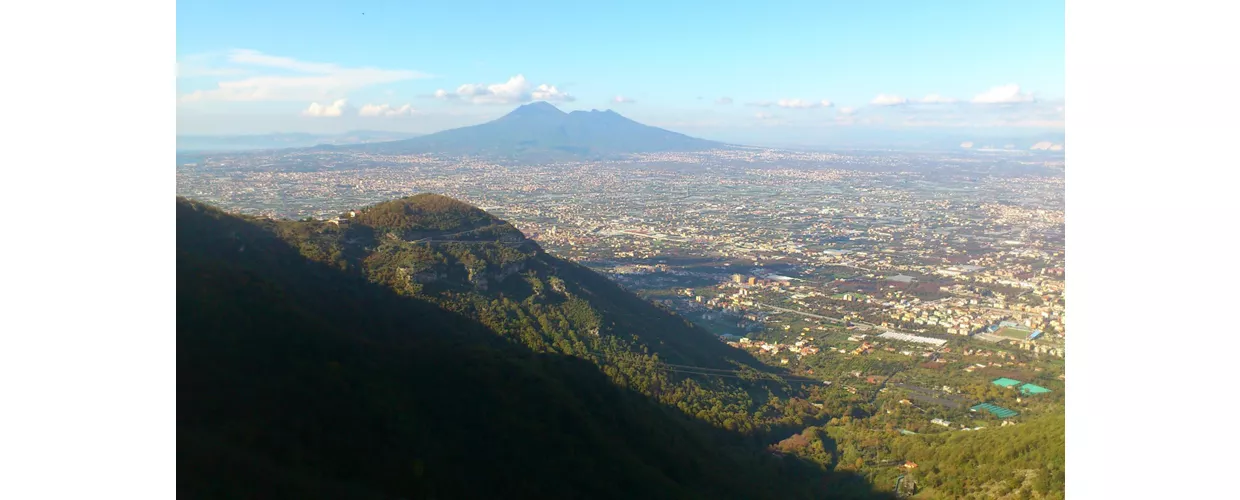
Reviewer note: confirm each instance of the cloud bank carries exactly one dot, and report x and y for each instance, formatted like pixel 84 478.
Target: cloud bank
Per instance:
pixel 326 110
pixel 311 81
pixel 802 104
pixel 1003 94
pixel 375 110
pixel 517 90
pixel 888 100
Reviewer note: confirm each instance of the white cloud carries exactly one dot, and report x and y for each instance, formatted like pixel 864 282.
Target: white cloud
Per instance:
pixel 622 99
pixel 761 104
pixel 200 65
pixel 723 100
pixel 385 110
pixel 515 91
pixel 1028 123
pixel 470 90
pixel 315 81
pixel 847 111
pixel 1047 146
pixel 1002 107
pixel 189 70
pixel 256 58
pixel 936 99
pixel 326 110
pixel 948 122
pixel 967 144
pixel 802 104
pixel 763 116
pixel 546 92
pixel 888 100
pixel 1003 94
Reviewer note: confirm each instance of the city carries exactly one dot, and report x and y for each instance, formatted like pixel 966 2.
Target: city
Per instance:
pixel 905 242
pixel 932 278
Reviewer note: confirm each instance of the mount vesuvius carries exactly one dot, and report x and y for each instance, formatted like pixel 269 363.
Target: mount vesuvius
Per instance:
pixel 540 129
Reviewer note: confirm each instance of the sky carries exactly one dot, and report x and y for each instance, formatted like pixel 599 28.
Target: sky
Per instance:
pixel 792 71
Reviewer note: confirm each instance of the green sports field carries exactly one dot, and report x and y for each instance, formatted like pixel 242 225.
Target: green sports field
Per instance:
pixel 1013 333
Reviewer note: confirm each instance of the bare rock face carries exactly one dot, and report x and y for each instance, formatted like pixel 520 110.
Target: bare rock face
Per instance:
pixel 509 270
pixel 428 276
pixel 425 276
pixel 478 278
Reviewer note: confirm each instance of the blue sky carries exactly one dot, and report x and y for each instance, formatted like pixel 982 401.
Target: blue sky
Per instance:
pixel 716 69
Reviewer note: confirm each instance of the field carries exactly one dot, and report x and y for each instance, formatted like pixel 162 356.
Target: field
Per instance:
pixel 924 395
pixel 1013 333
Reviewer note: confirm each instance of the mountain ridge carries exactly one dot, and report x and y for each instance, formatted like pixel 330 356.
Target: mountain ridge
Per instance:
pixel 303 376
pixel 440 247
pixel 191 143
pixel 540 129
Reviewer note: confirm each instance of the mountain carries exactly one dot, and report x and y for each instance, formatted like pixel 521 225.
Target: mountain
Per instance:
pixel 192 143
pixel 425 349
pixel 541 130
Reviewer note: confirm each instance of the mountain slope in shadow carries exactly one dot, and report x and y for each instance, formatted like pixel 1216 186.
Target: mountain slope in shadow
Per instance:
pixel 299 380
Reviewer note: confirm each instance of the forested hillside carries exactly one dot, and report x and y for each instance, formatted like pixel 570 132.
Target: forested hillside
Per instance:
pixel 324 377
pixel 452 254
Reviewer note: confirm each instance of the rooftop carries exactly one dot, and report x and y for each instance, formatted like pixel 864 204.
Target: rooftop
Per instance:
pixel 1005 382
pixel 997 411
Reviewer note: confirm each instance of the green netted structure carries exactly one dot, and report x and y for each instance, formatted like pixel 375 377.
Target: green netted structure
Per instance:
pixel 1006 382
pixel 1031 389
pixel 997 411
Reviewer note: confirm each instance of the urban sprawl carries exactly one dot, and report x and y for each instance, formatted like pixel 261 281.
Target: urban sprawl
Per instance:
pixel 803 258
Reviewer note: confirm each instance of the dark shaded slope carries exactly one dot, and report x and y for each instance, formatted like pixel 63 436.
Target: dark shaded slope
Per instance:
pixel 541 130
pixel 298 380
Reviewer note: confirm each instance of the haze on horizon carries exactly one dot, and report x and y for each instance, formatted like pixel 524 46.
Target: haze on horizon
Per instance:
pixel 783 73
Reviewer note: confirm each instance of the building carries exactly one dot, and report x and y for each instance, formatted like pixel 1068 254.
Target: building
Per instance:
pixel 1006 382
pixel 995 410
pixel 913 338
